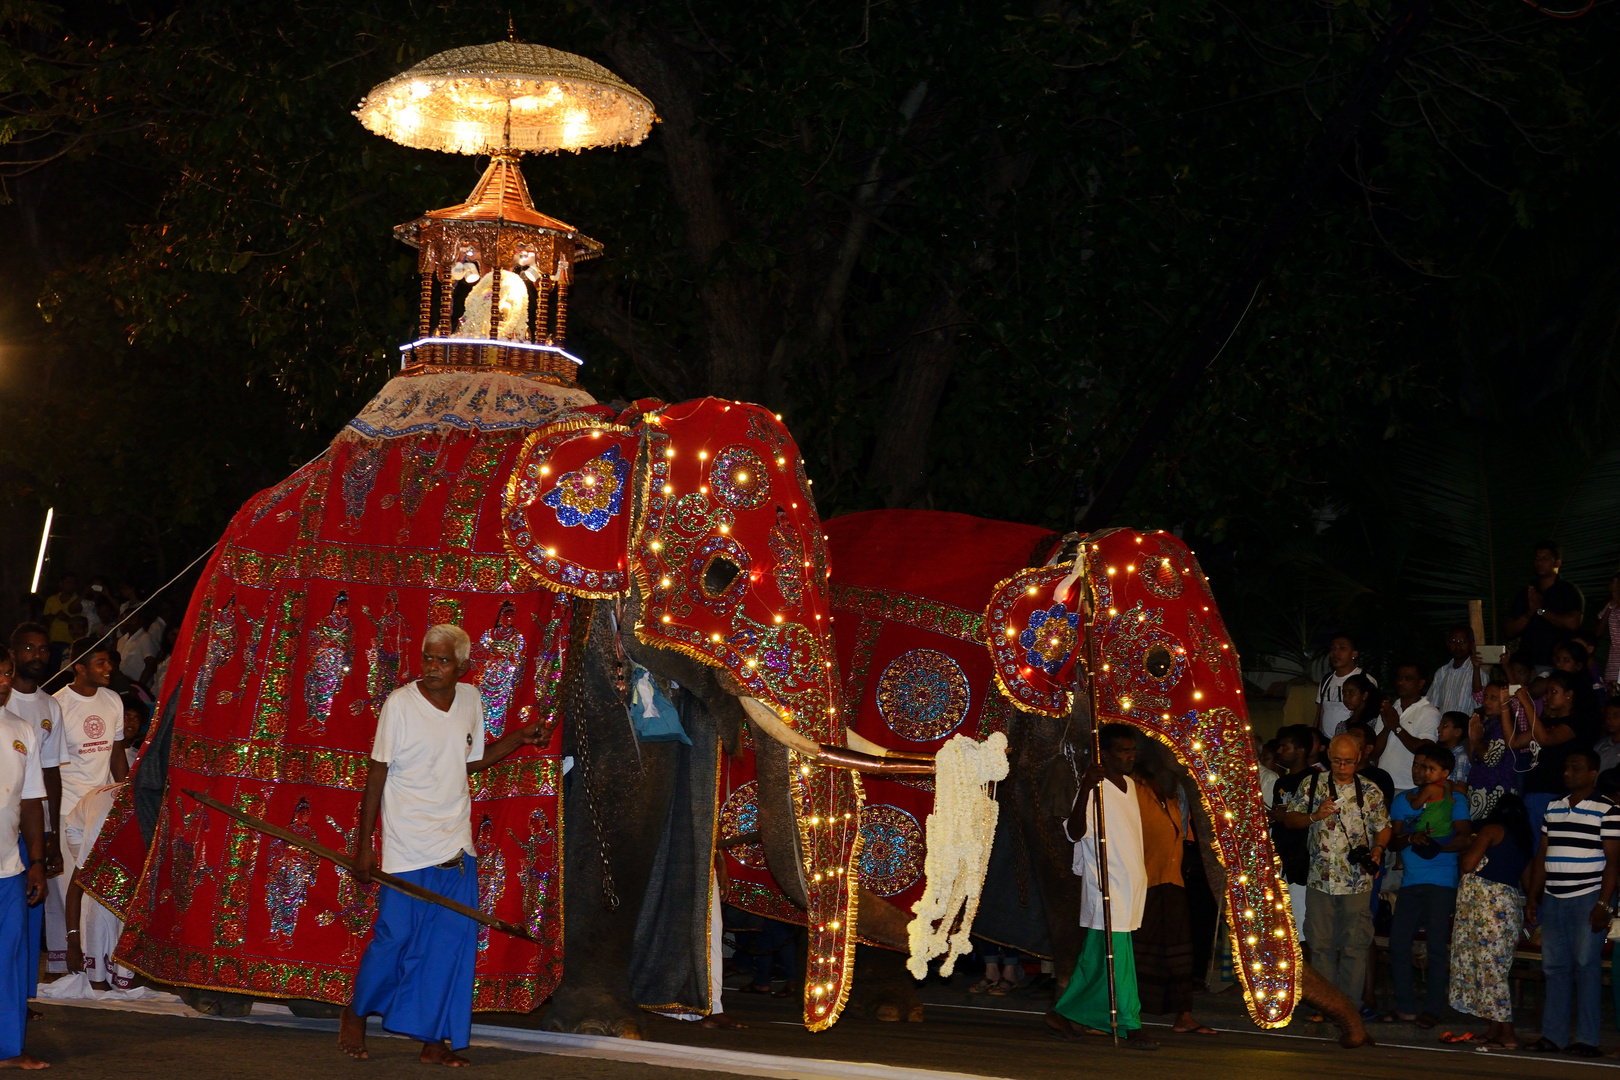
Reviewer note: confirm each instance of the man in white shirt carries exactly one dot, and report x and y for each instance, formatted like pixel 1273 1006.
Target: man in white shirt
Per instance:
pixel 91 754
pixel 418 970
pixel 1405 727
pixel 22 873
pixel 140 645
pixel 1457 680
pixel 1331 711
pixel 1083 1008
pixel 31 657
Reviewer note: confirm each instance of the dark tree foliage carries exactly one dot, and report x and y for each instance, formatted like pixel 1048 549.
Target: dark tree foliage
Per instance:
pixel 955 244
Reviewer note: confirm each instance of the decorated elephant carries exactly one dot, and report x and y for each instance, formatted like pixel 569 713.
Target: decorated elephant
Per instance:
pixel 573 543
pixel 947 624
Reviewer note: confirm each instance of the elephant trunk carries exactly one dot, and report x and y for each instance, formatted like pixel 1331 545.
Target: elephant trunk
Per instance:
pixel 1326 999
pixel 882 923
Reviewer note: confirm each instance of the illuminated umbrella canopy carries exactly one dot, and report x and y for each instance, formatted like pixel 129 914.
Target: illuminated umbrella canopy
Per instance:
pixel 495 272
pixel 507 96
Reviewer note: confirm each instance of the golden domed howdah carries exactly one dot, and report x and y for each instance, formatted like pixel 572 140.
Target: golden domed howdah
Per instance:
pixel 507 96
pixel 503 99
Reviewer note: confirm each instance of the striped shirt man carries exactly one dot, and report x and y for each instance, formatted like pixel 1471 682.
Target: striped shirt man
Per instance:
pixel 1575 836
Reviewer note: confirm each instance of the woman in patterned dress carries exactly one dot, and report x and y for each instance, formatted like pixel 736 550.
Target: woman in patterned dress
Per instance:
pixel 1490 915
pixel 1493 769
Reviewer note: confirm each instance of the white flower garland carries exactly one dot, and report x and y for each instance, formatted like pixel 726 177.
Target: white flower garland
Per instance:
pixel 959 834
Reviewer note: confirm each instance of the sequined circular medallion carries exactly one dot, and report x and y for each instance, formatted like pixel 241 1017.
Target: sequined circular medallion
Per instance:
pixel 740 815
pixel 891 849
pixel 922 695
pixel 739 478
pixel 1049 638
pixel 1161 576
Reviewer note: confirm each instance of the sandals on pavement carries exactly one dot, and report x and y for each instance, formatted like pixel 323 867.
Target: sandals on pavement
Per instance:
pixel 1425 1021
pixel 1003 988
pixel 981 986
pixel 1543 1045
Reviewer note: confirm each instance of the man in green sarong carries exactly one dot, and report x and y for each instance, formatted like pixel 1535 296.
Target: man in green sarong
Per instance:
pixel 1084 1009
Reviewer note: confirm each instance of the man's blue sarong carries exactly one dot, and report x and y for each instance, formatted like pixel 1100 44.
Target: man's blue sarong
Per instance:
pixel 36 925
pixel 19 963
pixel 417 973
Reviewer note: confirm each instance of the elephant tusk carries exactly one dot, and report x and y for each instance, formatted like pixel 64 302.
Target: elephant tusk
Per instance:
pixel 856 741
pixel 765 718
pixel 843 757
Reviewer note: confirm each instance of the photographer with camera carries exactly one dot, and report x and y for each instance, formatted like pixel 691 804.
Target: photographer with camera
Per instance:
pixel 1349 827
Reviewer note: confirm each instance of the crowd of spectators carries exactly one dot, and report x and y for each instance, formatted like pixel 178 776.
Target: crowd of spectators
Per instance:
pixel 1473 804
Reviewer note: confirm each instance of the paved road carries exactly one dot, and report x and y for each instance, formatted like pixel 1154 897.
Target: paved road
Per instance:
pixel 980 1041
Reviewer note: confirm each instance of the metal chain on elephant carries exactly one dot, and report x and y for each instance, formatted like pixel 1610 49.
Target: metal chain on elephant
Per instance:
pixel 585 610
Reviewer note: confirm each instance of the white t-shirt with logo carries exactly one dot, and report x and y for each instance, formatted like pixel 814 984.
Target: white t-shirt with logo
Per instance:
pixel 45 716
pixel 1330 695
pixel 20 778
pixel 90 726
pixel 426 803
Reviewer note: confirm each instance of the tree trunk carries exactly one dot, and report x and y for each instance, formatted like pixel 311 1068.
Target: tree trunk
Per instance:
pixel 900 460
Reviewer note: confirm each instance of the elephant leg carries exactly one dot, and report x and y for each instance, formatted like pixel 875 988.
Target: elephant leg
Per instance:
pixel 884 989
pixel 1326 999
pixel 631 792
pixel 1042 786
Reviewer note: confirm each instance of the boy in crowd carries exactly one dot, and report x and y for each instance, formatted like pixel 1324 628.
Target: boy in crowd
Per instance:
pixel 91 754
pixel 1608 747
pixel 1572 884
pixel 1431 823
pixel 1454 737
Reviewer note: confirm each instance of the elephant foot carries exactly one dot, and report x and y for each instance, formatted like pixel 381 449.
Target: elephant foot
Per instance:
pixel 1326 999
pixel 594 1013
pixel 884 990
pixel 215 1002
pixel 892 1014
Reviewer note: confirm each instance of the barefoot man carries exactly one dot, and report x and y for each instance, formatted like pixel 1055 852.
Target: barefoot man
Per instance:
pixel 417 973
pixel 22 882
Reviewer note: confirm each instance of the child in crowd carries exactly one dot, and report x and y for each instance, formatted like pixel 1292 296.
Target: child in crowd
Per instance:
pixel 1608 747
pixel 1434 817
pixel 1454 737
pixel 134 718
pixel 1609 623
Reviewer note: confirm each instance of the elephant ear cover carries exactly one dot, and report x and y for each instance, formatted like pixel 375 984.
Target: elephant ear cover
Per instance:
pixel 1160 659
pixel 569 506
pixel 708 505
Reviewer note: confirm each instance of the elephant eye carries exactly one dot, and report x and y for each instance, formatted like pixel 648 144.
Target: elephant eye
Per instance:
pixel 1158 662
pixel 718 574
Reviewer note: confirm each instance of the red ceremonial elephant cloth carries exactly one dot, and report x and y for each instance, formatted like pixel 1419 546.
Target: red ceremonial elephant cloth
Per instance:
pixel 311 612
pixel 909 590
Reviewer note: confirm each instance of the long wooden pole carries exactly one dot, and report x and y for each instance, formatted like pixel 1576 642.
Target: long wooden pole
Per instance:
pixel 340 859
pixel 1087 673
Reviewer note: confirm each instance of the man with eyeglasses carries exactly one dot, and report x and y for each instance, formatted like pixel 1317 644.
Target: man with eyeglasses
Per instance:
pixel 1348 823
